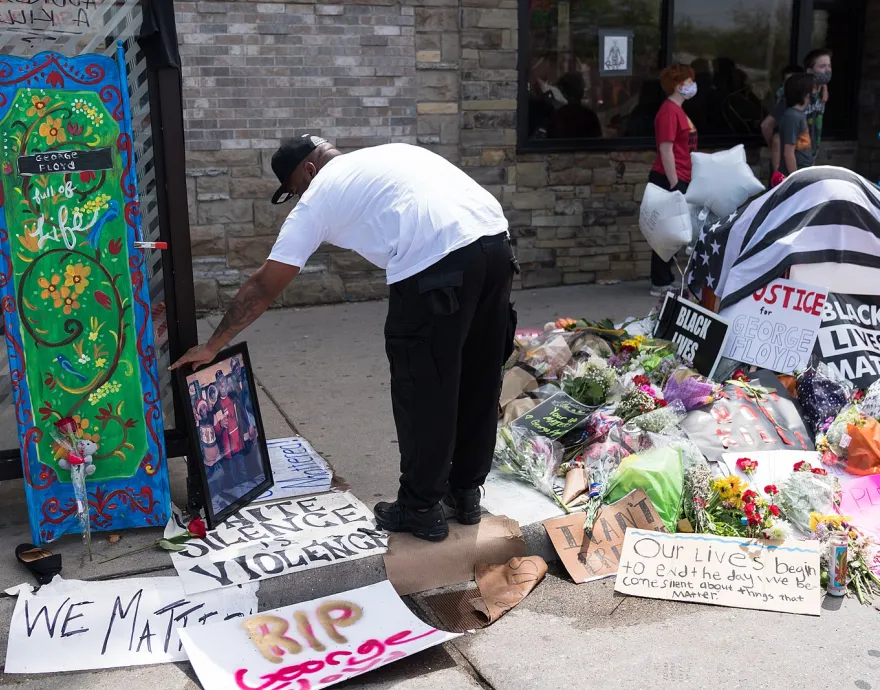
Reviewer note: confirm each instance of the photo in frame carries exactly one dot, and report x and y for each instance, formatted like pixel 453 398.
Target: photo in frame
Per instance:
pixel 615 52
pixel 227 431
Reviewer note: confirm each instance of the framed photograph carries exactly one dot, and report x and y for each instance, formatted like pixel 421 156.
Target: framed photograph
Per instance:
pixel 227 431
pixel 615 52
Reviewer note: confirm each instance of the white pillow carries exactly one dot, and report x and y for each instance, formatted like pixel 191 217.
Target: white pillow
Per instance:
pixel 722 181
pixel 665 221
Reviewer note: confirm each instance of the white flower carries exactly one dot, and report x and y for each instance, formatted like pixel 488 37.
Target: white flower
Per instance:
pixel 84 359
pixel 780 530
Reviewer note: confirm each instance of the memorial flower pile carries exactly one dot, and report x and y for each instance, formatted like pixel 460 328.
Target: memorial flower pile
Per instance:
pixel 861 566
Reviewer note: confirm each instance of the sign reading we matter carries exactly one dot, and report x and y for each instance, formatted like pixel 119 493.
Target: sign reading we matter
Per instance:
pixel 310 645
pixel 723 571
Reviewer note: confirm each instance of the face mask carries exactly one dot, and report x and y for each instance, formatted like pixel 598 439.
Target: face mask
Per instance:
pixel 822 77
pixel 688 91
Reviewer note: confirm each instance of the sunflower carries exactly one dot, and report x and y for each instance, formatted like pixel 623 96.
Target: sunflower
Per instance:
pixel 68 299
pixel 75 276
pixel 38 105
pixel 82 427
pixel 51 130
pixel 50 289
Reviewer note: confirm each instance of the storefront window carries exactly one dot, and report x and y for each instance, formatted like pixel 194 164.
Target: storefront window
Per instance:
pixel 592 68
pixel 738 50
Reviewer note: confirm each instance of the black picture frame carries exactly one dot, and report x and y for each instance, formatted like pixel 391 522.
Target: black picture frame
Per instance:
pixel 219 500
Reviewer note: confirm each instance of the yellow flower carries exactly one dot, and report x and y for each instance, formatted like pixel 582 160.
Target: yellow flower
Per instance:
pixel 93 336
pixel 76 276
pixel 730 490
pixel 39 105
pixel 51 130
pixel 68 298
pixel 83 429
pixel 50 289
pixel 100 362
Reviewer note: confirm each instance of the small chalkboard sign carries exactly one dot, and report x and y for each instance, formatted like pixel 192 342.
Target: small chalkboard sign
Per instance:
pixel 698 334
pixel 555 417
pixel 48 162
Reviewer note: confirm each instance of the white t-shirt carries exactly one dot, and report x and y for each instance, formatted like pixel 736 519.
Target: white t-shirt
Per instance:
pixel 401 207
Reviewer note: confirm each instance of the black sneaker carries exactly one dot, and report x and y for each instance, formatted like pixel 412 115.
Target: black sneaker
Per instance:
pixel 465 504
pixel 395 517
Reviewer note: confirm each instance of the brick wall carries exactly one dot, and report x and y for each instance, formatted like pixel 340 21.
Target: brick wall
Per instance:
pixel 440 73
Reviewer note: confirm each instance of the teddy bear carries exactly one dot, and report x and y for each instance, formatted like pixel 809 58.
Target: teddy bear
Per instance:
pixel 84 451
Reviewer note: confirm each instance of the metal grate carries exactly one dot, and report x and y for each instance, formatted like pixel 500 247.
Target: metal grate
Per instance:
pixel 94 26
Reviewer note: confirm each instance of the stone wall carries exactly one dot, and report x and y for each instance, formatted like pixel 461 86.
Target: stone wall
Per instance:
pixel 440 73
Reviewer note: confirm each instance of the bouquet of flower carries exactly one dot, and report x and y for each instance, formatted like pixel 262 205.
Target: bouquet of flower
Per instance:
pixel 821 396
pixel 529 458
pixel 861 553
pixel 589 382
pixel 809 489
pixel 736 510
pixel 690 388
pixel 696 495
pixel 639 399
pixel 833 437
pixel 660 419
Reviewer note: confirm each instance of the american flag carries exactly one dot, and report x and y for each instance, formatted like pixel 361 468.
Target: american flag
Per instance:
pixel 818 215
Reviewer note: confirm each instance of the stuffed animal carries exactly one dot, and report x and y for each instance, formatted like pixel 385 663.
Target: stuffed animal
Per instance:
pixel 84 452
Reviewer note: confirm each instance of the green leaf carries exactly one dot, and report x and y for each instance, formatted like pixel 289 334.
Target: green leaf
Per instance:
pixel 169 546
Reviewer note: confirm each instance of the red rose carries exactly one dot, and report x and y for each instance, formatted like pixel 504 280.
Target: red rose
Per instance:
pixel 661 403
pixel 197 528
pixel 740 375
pixel 642 380
pixel 66 425
pixel 818 470
pixel 747 465
pixel 771 490
pixel 799 466
pixel 749 509
pixel 754 520
pixel 774 510
pixel 749 496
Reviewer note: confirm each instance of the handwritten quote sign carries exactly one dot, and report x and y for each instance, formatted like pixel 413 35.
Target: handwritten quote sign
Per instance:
pixel 698 334
pixel 72 625
pixel 723 571
pixel 776 327
pixel 555 417
pixel 600 556
pixel 297 469
pixel 271 539
pixel 310 645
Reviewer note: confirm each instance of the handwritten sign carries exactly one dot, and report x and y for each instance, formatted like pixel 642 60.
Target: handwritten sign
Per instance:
pixel 297 468
pixel 72 625
pixel 57 16
pixel 860 500
pixel 698 334
pixel 776 327
pixel 600 556
pixel 310 645
pixel 555 417
pixel 65 162
pixel 849 339
pixel 271 539
pixel 723 571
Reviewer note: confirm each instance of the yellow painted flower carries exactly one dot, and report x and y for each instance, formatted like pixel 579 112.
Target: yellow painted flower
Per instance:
pixel 38 105
pixel 75 276
pixel 100 362
pixel 68 299
pixel 82 430
pixel 51 131
pixel 50 289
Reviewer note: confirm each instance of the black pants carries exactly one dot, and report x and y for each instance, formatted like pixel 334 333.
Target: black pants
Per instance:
pixel 448 333
pixel 661 271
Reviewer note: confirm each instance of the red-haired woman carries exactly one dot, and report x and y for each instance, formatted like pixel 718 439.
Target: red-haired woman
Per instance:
pixel 676 140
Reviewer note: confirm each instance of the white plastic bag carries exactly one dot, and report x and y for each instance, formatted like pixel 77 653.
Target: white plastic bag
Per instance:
pixel 665 221
pixel 722 181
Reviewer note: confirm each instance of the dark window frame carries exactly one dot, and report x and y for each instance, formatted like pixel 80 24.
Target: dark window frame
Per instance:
pixel 801 34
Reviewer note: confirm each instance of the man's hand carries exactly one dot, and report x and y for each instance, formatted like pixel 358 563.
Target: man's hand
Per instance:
pixel 196 357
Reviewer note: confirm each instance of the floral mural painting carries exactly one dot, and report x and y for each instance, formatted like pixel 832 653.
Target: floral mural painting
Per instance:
pixel 75 298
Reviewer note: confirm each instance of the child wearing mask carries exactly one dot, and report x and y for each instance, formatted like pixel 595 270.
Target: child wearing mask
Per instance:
pixel 793 133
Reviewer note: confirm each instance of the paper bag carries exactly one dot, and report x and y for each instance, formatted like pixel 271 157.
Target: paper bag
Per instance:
pixel 503 586
pixel 516 382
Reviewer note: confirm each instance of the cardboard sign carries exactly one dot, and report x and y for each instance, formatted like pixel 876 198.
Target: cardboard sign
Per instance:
pixel 555 417
pixel 722 571
pixel 698 334
pixel 860 500
pixel 272 539
pixel 297 468
pixel 600 556
pixel 849 340
pixel 72 625
pixel 776 327
pixel 310 645
pixel 737 424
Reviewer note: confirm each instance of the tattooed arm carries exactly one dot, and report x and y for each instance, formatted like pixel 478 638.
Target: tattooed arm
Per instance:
pixel 254 297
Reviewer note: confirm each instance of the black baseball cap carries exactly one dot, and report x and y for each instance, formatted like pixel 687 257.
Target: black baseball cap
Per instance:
pixel 286 159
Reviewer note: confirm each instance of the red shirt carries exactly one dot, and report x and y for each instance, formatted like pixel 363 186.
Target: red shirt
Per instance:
pixel 230 437
pixel 672 124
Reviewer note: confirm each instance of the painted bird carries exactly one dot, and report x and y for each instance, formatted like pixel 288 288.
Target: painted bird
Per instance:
pixel 111 213
pixel 68 367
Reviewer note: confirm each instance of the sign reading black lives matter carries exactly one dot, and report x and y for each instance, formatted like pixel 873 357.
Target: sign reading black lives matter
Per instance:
pixel 555 417
pixel 849 339
pixel 698 334
pixel 270 539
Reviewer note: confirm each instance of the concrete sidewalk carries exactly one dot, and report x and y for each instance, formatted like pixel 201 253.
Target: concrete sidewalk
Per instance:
pixel 322 371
